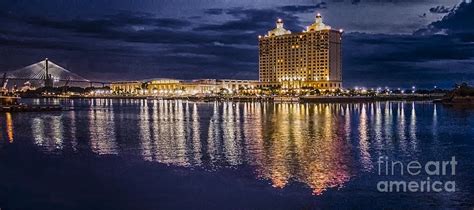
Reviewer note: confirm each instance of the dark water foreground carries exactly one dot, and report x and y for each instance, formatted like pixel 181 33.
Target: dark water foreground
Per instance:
pixel 139 154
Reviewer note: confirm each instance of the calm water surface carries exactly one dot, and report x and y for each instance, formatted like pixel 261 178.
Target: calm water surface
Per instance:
pixel 321 152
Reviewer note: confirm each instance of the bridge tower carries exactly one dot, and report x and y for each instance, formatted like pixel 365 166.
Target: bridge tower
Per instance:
pixel 48 81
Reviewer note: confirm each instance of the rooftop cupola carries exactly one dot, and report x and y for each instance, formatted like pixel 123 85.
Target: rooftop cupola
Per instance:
pixel 279 30
pixel 319 19
pixel 279 23
pixel 318 24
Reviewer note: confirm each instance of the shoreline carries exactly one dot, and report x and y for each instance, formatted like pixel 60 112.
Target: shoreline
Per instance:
pixel 301 99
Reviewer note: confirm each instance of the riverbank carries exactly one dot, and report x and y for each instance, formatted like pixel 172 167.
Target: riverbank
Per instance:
pixel 462 96
pixel 458 101
pixel 363 99
pixel 293 99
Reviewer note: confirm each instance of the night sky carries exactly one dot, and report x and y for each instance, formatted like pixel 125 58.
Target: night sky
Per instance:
pixel 396 43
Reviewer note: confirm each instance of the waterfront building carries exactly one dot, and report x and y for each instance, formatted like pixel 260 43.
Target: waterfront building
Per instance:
pixel 126 87
pixel 237 85
pixel 163 86
pixel 179 87
pixel 308 59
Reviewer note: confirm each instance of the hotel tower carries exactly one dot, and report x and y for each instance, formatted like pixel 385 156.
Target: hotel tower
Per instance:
pixel 311 58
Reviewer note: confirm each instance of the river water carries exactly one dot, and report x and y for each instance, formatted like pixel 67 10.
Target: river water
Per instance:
pixel 230 155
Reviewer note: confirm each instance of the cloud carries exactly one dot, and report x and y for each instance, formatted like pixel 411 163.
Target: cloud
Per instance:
pixel 407 48
pixel 109 23
pixel 253 20
pixel 440 9
pixel 303 8
pixel 440 54
pixel 150 46
pixel 459 21
pixel 406 59
pixel 134 28
pixel 214 11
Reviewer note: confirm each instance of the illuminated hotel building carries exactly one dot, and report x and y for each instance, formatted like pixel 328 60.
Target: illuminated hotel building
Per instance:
pixel 311 58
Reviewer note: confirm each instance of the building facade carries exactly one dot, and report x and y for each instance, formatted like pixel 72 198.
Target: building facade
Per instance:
pixel 311 58
pixel 126 87
pixel 162 86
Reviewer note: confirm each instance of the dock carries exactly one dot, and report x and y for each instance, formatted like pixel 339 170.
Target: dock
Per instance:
pixel 12 104
pixel 30 108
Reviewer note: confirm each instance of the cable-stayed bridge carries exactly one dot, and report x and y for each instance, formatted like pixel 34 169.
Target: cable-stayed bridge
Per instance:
pixel 46 73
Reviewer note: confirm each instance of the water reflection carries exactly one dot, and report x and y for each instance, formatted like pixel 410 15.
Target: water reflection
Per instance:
pixel 47 132
pixel 145 133
pixel 213 142
pixel 413 140
pixel 196 135
pixel 9 127
pixel 320 145
pixel 72 131
pixel 401 126
pixel 233 144
pixel 435 124
pixel 102 130
pixel 364 140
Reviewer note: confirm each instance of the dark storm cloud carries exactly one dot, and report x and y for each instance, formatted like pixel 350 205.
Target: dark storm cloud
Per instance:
pixel 458 21
pixel 140 18
pixel 143 28
pixel 40 44
pixel 413 59
pixel 108 23
pixel 383 1
pixel 214 11
pixel 251 20
pixel 218 51
pixel 440 9
pixel 440 54
pixel 138 28
pixel 409 48
pixel 423 58
pixel 303 8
